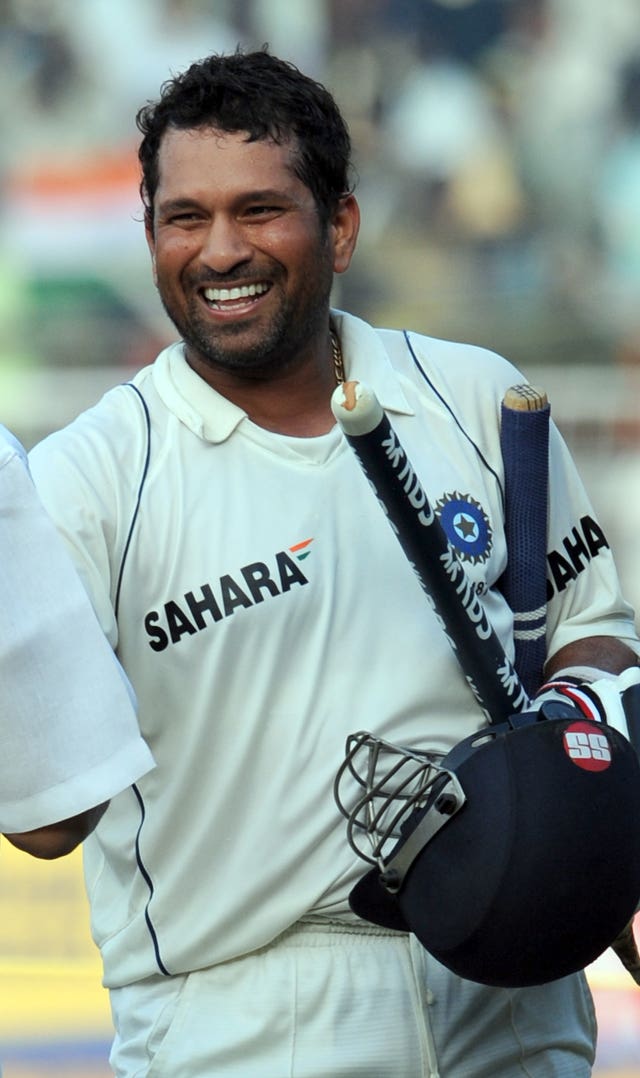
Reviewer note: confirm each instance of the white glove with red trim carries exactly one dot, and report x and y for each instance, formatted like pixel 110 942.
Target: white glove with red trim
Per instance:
pixel 612 699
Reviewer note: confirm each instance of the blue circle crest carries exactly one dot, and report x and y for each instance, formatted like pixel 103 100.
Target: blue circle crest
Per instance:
pixel 466 526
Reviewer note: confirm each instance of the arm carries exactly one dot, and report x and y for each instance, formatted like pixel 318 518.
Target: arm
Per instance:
pixel 58 839
pixel 605 653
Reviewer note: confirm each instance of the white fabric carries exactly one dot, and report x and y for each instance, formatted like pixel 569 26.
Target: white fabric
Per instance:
pixel 69 737
pixel 253 656
pixel 348 1000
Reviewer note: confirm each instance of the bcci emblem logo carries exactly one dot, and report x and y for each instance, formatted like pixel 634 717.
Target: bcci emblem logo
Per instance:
pixel 466 526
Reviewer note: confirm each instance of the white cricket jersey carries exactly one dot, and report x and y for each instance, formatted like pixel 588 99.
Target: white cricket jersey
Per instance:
pixel 265 611
pixel 69 737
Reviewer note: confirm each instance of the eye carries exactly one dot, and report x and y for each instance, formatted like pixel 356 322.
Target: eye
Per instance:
pixel 184 217
pixel 261 210
pixel 180 215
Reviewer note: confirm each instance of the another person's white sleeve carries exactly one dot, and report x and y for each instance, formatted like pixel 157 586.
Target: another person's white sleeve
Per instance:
pixel 69 737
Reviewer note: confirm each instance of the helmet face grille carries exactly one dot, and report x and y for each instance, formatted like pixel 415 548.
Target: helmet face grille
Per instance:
pixel 379 789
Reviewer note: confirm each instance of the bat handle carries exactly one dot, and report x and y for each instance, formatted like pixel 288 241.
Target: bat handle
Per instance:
pixel 356 408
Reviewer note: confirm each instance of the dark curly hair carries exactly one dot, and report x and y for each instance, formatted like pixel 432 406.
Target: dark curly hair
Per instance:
pixel 264 96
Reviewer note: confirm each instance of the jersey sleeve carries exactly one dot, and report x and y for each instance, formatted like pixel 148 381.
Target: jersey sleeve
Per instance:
pixel 584 596
pixel 69 737
pixel 583 588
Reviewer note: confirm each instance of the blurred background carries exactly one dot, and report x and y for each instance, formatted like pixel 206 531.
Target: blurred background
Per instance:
pixel 497 145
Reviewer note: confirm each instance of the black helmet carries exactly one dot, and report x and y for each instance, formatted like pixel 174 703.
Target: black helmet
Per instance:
pixel 515 859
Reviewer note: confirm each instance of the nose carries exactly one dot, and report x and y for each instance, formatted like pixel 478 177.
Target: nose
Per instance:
pixel 225 244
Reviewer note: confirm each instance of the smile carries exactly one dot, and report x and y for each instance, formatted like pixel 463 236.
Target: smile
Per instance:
pixel 231 295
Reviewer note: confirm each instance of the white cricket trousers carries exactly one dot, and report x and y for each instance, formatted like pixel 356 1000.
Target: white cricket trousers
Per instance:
pixel 337 1001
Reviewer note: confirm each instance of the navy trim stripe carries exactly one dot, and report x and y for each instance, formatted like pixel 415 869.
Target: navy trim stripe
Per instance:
pixel 453 415
pixel 134 517
pixel 141 865
pixel 149 883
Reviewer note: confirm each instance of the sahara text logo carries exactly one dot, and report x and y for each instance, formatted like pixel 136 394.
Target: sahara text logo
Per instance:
pixel 586 541
pixel 251 584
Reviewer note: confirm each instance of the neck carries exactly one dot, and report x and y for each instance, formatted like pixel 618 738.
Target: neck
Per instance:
pixel 294 401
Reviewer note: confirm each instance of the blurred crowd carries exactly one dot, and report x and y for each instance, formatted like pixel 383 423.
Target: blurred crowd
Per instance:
pixel 497 148
pixel 508 136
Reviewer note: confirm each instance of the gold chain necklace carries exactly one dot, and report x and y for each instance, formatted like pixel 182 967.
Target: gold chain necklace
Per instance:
pixel 338 362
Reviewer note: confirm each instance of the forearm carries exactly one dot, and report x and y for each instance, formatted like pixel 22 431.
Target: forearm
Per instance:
pixel 58 839
pixel 605 653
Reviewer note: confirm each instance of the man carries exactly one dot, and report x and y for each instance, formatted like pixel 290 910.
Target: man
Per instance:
pixel 264 611
pixel 69 738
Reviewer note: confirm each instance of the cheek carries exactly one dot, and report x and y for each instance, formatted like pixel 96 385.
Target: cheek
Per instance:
pixel 293 244
pixel 168 264
pixel 172 255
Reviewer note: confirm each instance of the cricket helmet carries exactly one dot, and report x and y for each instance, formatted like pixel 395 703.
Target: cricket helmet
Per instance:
pixel 515 858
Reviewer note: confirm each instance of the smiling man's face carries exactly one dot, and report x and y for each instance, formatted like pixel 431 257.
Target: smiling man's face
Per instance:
pixel 242 260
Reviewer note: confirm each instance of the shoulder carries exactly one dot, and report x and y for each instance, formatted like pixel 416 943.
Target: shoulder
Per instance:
pixel 109 434
pixel 419 357
pixel 468 380
pixel 10 447
pixel 88 473
pixel 464 367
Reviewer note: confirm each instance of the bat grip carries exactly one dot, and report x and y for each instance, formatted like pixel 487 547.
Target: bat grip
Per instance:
pixel 524 441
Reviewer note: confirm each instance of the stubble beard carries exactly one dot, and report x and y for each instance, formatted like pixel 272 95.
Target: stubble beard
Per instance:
pixel 274 350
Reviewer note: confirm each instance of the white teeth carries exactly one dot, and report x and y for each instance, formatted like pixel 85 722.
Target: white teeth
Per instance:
pixel 220 295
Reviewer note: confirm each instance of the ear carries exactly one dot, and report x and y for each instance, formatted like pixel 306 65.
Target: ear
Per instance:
pixel 148 231
pixel 345 225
